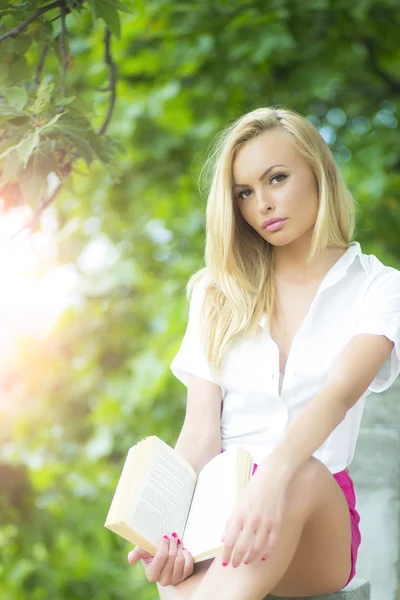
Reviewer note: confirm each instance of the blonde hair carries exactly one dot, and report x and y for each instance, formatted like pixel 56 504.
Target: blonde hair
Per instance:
pixel 239 263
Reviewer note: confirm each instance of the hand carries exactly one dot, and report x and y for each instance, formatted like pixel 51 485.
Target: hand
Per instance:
pixel 169 566
pixel 252 530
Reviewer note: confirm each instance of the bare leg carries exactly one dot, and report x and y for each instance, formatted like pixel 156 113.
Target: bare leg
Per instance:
pixel 317 524
pixel 187 587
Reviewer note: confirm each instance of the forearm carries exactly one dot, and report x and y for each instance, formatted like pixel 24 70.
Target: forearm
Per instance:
pixel 311 428
pixel 197 449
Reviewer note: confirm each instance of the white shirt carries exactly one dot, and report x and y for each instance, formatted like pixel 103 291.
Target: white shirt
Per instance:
pixel 358 294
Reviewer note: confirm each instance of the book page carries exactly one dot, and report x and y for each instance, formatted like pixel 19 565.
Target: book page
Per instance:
pixel 164 501
pixel 212 503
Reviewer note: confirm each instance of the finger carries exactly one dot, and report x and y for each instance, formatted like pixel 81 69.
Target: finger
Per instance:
pixel 266 546
pixel 167 570
pixel 240 549
pixel 179 565
pixel 258 544
pixel 173 544
pixel 230 538
pixel 156 566
pixel 272 540
pixel 189 564
pixel 133 555
pixel 245 542
pixel 137 554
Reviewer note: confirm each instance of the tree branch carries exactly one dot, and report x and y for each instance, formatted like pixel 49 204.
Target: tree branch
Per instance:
pixel 113 80
pixel 40 64
pixel 33 222
pixel 63 51
pixel 38 12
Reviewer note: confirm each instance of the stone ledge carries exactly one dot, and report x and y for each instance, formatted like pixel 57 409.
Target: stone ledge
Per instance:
pixel 360 590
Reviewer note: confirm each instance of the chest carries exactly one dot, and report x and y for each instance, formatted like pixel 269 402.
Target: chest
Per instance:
pixel 293 305
pixel 301 341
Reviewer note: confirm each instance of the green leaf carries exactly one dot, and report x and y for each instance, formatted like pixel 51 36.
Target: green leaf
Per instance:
pixel 18 71
pixel 17 97
pixel 33 180
pixel 12 167
pixel 53 120
pixel 84 148
pixel 11 148
pixel 65 100
pixel 43 97
pixel 119 6
pixel 27 146
pixel 110 16
pixel 8 110
pixel 4 70
pixel 21 44
pixel 93 3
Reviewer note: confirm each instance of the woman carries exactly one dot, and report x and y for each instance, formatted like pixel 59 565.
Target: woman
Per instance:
pixel 290 327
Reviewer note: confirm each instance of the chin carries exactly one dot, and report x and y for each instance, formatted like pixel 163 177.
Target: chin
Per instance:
pixel 278 240
pixel 302 238
pixel 279 243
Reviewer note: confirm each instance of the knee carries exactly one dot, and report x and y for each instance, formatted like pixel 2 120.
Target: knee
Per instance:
pixel 312 472
pixel 307 484
pixel 308 472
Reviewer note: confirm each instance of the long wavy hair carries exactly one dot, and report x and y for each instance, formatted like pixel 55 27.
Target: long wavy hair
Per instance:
pixel 238 277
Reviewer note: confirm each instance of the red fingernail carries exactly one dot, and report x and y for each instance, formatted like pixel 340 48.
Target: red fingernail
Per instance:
pixel 263 558
pixel 245 562
pixel 174 534
pixel 224 564
pixel 166 537
pixel 179 541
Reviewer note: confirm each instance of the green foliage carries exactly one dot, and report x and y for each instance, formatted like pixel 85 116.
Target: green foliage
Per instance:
pixel 43 130
pixel 101 381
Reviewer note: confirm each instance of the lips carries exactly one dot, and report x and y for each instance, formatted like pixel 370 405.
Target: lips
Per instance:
pixel 271 221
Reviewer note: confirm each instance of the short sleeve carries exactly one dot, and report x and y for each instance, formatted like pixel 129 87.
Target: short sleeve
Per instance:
pixel 380 314
pixel 190 358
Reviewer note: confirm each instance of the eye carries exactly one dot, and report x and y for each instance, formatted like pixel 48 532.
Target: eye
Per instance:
pixel 243 197
pixel 279 175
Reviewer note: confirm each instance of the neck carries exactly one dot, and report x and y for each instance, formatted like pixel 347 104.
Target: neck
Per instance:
pixel 291 262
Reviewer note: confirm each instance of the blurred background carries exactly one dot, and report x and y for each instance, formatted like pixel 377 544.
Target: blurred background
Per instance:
pixel 107 112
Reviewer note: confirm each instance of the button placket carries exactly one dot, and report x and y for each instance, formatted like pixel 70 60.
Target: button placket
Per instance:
pixel 275 362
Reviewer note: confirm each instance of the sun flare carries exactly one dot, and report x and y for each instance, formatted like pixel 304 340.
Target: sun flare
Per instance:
pixel 34 290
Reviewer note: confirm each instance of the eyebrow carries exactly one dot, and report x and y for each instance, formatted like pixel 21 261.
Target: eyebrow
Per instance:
pixel 262 176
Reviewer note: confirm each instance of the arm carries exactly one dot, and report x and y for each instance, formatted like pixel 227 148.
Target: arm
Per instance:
pixel 196 449
pixel 348 379
pixel 200 438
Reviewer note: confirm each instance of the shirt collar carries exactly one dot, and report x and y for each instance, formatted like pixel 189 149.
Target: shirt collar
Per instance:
pixel 336 272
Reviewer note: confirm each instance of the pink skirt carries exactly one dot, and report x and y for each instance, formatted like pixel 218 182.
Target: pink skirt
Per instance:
pixel 346 483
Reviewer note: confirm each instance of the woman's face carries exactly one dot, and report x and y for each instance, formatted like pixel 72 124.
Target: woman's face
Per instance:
pixel 288 191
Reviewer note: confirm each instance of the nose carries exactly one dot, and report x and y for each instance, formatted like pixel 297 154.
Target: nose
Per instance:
pixel 263 202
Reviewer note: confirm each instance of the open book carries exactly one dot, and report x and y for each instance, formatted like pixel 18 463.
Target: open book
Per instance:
pixel 158 492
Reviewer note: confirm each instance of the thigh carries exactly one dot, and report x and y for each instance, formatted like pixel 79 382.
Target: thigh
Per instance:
pixel 184 590
pixel 323 556
pixel 312 556
pixel 321 549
